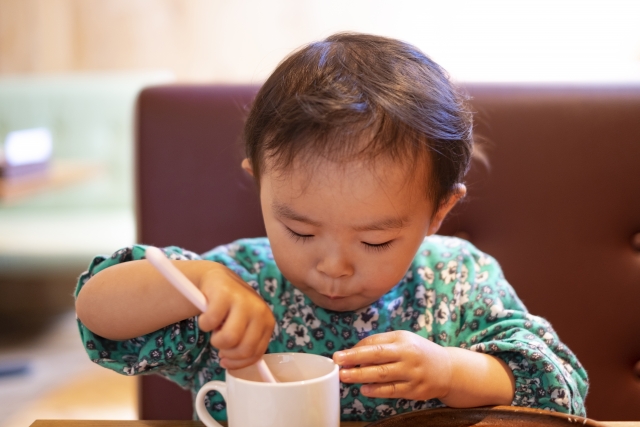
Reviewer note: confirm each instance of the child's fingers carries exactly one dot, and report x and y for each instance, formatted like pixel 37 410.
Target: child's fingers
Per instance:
pixel 367 355
pixel 250 344
pixel 216 313
pixel 227 363
pixel 375 339
pixel 389 390
pixel 232 359
pixel 232 331
pixel 385 373
pixel 267 332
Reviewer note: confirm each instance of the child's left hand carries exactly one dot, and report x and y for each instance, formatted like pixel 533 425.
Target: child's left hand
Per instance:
pixel 398 364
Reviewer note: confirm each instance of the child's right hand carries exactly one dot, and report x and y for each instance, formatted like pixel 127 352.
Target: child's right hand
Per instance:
pixel 240 321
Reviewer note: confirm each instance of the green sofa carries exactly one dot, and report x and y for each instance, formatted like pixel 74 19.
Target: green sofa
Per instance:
pixel 47 239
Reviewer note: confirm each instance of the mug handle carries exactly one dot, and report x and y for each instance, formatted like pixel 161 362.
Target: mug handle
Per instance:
pixel 201 409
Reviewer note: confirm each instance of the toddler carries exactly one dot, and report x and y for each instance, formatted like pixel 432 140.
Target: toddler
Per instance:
pixel 359 145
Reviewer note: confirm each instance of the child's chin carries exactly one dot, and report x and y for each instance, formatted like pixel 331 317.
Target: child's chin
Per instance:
pixel 340 304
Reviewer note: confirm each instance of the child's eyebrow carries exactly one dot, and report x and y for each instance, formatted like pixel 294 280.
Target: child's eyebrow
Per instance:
pixel 381 225
pixel 384 224
pixel 285 211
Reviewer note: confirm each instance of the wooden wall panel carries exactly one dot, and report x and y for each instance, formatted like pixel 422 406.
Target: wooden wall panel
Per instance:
pixel 36 36
pixel 201 40
pixel 243 40
pixel 42 36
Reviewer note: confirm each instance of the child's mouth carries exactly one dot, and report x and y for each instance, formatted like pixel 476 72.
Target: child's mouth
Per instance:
pixel 333 297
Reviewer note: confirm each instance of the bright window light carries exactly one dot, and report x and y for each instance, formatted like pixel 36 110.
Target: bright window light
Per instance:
pixel 28 146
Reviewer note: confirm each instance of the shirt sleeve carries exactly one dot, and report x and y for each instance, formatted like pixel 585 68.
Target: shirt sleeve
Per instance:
pixel 494 321
pixel 173 351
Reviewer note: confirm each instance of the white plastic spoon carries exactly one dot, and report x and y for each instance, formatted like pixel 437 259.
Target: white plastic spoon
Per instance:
pixel 159 260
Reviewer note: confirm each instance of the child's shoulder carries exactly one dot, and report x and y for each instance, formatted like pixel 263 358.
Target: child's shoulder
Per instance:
pixel 251 256
pixel 255 247
pixel 442 252
pixel 447 247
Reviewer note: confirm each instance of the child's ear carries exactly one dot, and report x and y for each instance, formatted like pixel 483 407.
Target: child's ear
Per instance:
pixel 246 165
pixel 437 219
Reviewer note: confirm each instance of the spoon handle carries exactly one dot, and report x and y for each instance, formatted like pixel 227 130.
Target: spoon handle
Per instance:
pixel 265 372
pixel 159 260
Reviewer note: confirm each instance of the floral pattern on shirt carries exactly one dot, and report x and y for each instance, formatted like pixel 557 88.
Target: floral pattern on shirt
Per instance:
pixel 452 294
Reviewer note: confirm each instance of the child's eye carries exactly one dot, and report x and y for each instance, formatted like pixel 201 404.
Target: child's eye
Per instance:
pixel 378 246
pixel 297 236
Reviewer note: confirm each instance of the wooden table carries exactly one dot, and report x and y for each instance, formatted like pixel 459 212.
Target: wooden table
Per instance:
pixel 102 423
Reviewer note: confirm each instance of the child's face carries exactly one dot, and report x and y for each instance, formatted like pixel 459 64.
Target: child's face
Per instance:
pixel 346 234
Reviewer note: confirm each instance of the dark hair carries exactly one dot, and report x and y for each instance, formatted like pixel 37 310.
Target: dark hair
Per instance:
pixel 362 95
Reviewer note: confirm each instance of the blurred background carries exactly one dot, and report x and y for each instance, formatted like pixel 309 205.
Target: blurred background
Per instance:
pixel 70 71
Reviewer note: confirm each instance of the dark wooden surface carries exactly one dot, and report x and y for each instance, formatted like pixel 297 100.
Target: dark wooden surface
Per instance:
pixel 180 423
pixel 141 423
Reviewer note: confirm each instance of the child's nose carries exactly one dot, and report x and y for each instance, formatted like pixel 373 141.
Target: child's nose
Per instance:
pixel 335 266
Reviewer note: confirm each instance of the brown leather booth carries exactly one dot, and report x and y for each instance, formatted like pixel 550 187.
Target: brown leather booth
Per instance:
pixel 558 206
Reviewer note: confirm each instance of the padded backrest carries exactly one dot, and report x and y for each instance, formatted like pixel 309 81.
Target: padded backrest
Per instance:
pixel 191 191
pixel 559 207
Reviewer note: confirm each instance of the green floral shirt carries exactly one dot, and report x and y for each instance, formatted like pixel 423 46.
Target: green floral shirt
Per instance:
pixel 453 295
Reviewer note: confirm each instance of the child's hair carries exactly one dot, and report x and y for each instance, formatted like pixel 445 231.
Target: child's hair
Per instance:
pixel 359 96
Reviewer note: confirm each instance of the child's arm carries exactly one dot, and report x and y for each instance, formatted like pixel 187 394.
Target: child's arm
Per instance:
pixel 402 364
pixel 510 352
pixel 131 299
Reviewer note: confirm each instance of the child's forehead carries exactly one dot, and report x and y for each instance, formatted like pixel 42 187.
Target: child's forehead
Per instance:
pixel 382 174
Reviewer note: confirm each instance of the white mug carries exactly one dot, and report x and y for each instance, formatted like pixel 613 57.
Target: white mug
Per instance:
pixel 307 394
